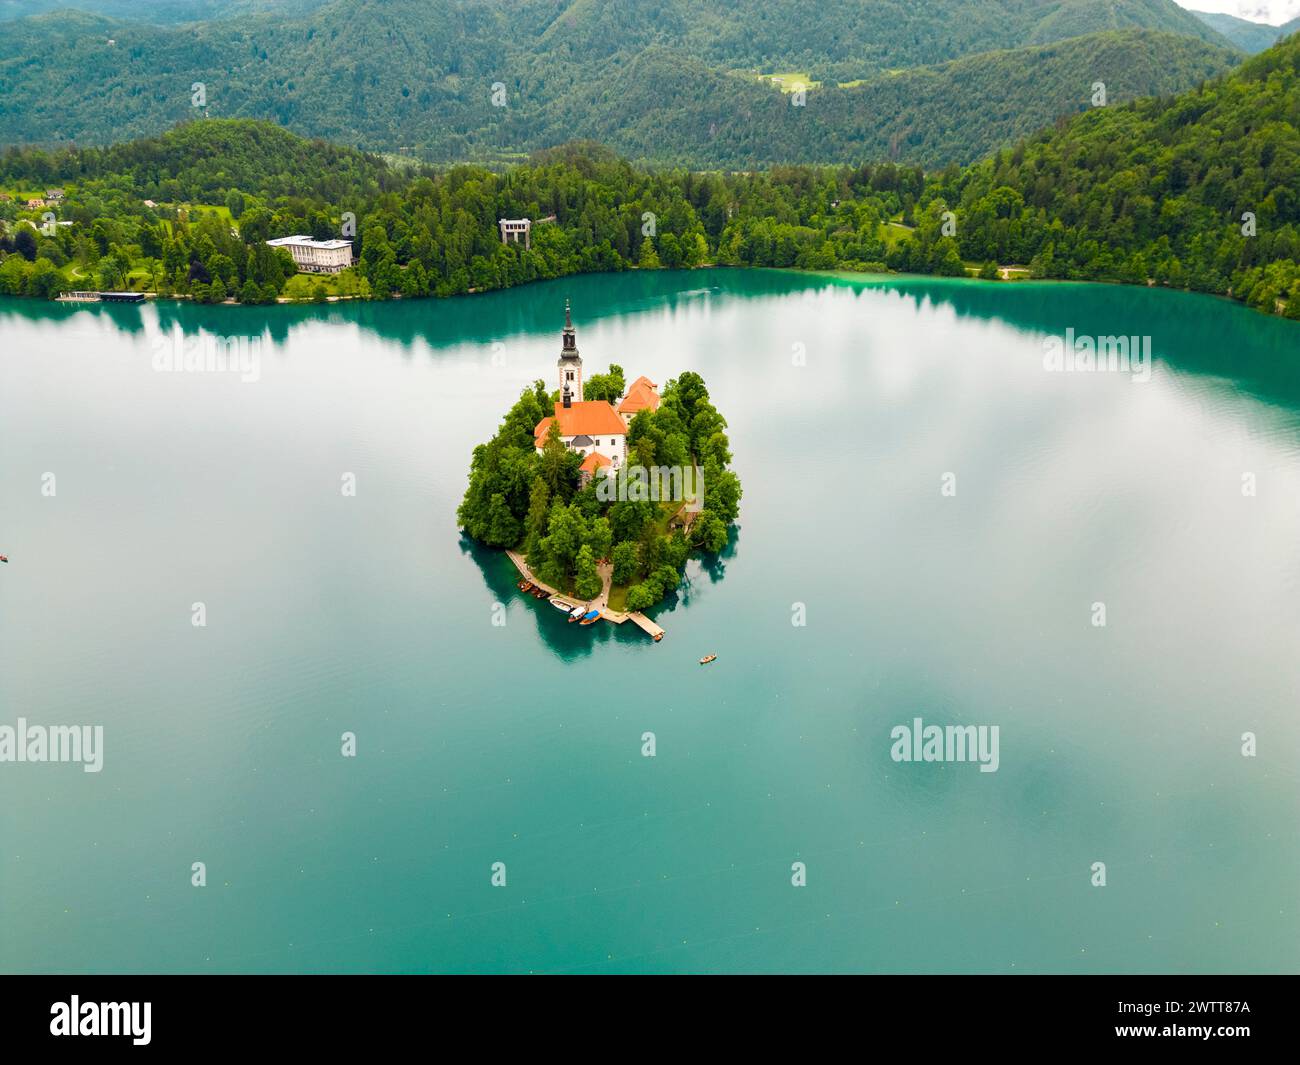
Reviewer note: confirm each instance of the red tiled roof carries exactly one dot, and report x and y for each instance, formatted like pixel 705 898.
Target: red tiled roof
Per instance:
pixel 590 418
pixel 641 396
pixel 594 461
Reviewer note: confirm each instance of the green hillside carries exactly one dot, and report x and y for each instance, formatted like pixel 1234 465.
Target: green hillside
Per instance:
pixel 1249 36
pixel 1200 191
pixel 955 112
pixel 418 75
pixel 160 12
pixel 1160 188
pixel 201 161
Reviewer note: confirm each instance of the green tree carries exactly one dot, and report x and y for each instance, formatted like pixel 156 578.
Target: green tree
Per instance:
pixel 649 259
pixel 587 582
pixel 625 561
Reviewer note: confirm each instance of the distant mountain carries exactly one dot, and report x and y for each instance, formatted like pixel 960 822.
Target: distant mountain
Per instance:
pixel 1073 18
pixel 954 112
pixel 1249 36
pixel 1196 190
pixel 160 12
pixel 663 80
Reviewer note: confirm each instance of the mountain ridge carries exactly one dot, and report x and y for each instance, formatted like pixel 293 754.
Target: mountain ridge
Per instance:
pixel 409 74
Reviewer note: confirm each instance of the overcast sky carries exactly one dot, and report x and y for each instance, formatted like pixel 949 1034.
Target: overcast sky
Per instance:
pixel 1274 12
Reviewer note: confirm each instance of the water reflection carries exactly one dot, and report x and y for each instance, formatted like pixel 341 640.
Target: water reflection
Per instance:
pixel 1260 354
pixel 573 642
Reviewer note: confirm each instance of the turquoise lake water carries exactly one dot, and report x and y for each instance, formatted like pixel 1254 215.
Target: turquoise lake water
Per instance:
pixel 848 400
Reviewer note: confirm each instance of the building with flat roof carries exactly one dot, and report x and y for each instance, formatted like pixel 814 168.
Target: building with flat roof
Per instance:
pixel 514 228
pixel 316 256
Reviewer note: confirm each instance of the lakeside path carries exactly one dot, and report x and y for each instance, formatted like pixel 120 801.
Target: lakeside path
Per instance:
pixel 601 603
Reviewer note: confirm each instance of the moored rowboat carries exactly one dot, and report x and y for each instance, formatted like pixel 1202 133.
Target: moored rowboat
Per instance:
pixel 707 659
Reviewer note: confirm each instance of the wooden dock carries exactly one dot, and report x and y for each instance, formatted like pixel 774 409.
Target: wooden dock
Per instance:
pixel 646 625
pixel 100 297
pixel 527 574
pixel 636 617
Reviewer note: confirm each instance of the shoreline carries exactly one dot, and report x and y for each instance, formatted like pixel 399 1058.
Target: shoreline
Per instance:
pixel 845 275
pixel 656 632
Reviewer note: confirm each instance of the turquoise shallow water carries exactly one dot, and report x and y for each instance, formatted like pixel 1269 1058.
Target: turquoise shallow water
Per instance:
pixel 521 743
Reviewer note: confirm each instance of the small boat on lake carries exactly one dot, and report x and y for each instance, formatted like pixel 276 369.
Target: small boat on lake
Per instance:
pixel 589 618
pixel 525 586
pixel 707 659
pixel 577 613
pixel 4 558
pixel 540 593
pixel 561 606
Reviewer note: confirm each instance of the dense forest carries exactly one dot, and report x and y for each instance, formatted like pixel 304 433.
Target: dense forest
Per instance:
pixel 1198 191
pixel 491 80
pixel 161 12
pixel 535 502
pixel 953 112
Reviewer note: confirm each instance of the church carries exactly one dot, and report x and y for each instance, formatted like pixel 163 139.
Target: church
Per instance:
pixel 594 429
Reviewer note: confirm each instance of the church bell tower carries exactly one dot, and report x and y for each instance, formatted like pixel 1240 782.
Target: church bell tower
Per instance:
pixel 570 363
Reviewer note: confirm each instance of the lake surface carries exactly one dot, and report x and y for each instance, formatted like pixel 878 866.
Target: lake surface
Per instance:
pixel 849 400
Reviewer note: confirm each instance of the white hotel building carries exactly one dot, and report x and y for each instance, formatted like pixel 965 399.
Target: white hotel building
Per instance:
pixel 316 256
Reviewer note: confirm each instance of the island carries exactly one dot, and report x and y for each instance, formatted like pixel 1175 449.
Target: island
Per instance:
pixel 600 491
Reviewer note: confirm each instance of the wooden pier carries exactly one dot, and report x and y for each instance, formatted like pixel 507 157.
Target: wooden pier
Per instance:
pixel 101 297
pixel 636 617
pixel 643 623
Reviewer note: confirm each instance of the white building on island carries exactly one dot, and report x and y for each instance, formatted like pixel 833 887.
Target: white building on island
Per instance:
pixel 593 429
pixel 316 256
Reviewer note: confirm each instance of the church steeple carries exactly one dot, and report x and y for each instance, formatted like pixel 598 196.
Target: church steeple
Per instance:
pixel 570 362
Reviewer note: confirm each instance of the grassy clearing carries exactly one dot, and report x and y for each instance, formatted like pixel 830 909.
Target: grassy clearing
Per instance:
pixel 893 234
pixel 21 196
pixel 789 82
pixel 194 211
pixel 618 597
pixel 321 286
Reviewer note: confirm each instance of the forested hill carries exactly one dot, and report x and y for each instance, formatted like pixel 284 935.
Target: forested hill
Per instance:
pixel 199 162
pixel 1197 191
pixel 160 12
pixel 1248 36
pixel 418 75
pixel 1201 190
pixel 955 112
